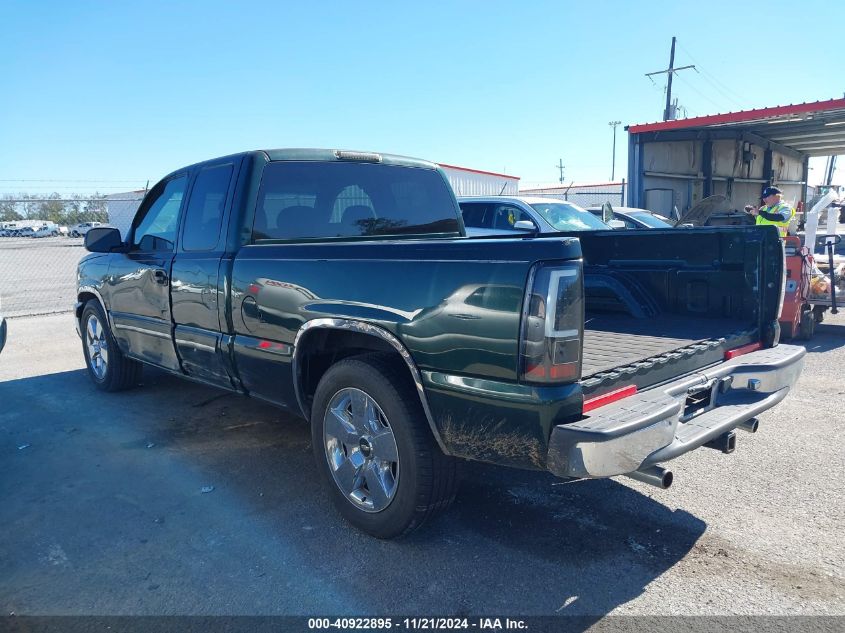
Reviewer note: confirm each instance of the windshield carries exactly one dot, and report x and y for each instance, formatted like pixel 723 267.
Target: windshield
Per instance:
pixel 650 220
pixel 568 217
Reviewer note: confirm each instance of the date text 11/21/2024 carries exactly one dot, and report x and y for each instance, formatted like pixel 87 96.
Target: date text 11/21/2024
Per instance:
pixel 420 623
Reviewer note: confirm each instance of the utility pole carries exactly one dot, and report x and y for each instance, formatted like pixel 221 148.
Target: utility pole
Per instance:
pixel 667 111
pixel 669 71
pixel 560 167
pixel 613 124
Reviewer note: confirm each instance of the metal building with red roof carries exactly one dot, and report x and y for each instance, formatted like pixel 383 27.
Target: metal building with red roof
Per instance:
pixel 677 163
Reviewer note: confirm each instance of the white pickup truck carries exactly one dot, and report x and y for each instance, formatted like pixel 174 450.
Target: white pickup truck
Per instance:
pixel 79 230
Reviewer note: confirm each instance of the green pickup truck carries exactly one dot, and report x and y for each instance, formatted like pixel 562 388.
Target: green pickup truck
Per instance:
pixel 341 286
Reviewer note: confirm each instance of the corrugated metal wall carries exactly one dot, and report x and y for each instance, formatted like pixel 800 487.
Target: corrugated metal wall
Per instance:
pixel 472 183
pixel 676 166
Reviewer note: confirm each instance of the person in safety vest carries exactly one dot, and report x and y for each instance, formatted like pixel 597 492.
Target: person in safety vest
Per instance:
pixel 774 210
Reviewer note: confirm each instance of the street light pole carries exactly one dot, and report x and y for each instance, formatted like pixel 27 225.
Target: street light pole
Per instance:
pixel 613 124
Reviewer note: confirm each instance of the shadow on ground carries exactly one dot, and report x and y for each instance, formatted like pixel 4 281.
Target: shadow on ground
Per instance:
pixel 105 514
pixel 828 335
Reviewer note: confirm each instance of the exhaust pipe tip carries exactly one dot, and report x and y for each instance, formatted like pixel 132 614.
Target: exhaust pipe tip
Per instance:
pixel 656 476
pixel 750 426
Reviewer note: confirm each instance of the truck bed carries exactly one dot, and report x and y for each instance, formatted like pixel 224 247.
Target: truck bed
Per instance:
pixel 614 340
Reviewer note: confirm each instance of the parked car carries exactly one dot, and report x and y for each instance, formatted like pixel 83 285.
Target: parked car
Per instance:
pixel 496 215
pixel 341 287
pixel 634 218
pixel 47 230
pixel 26 231
pixel 79 230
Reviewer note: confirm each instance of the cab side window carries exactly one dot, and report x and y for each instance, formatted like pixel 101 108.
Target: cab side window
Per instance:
pixel 204 214
pixel 156 230
pixel 505 216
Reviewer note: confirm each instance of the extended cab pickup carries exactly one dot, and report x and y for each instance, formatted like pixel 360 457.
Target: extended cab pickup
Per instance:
pixel 341 286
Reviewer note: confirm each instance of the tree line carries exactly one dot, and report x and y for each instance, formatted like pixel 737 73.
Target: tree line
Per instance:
pixel 64 210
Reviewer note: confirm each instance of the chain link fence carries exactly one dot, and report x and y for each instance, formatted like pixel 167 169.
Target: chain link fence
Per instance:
pixel 38 274
pixel 42 241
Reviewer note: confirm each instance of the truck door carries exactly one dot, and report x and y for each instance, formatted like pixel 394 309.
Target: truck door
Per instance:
pixel 139 280
pixel 196 294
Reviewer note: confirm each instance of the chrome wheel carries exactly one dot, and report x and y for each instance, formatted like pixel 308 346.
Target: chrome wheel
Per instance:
pixel 97 345
pixel 361 450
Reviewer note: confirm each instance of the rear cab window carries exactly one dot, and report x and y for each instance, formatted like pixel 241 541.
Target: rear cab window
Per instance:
pixel 318 199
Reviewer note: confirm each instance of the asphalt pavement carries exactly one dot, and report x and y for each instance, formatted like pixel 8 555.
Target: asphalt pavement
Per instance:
pixel 175 498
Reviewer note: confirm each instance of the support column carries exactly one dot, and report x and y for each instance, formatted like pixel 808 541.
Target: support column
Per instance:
pixel 767 167
pixel 707 166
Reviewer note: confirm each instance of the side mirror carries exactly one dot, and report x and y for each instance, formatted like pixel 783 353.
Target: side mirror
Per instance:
pixel 102 240
pixel 524 225
pixel 616 224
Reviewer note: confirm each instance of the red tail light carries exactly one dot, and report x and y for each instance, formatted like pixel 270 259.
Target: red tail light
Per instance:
pixel 553 325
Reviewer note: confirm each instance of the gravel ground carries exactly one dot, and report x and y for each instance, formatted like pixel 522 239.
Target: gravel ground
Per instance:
pixel 102 512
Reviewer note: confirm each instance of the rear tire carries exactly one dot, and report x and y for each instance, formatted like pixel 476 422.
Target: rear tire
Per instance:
pixel 807 327
pixel 375 450
pixel 108 368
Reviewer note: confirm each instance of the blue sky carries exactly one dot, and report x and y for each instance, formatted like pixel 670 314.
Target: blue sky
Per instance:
pixel 128 91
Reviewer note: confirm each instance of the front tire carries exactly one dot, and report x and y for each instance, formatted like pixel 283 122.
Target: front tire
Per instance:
pixel 373 446
pixel 108 368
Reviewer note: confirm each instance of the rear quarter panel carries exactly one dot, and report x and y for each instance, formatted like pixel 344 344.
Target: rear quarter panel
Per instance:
pixel 454 304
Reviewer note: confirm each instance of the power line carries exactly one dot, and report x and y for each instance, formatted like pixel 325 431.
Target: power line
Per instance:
pixel 68 180
pixel 46 190
pixel 21 200
pixel 701 94
pixel 714 81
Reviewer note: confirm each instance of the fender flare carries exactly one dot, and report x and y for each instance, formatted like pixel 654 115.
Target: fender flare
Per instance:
pixel 92 290
pixel 370 330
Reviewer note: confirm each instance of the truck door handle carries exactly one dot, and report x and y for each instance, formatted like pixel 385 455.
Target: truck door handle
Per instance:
pixel 160 276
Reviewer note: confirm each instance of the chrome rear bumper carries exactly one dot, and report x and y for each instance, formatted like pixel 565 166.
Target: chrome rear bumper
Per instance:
pixel 662 423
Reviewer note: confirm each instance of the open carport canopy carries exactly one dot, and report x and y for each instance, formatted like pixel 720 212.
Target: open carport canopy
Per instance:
pixel 811 129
